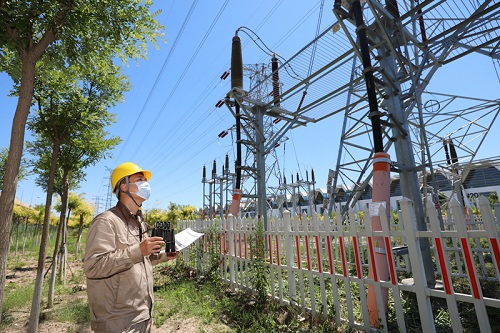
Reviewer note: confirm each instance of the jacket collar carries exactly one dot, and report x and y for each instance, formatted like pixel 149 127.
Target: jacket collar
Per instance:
pixel 124 213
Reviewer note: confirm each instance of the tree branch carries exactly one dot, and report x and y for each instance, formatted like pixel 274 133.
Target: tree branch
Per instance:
pixel 51 34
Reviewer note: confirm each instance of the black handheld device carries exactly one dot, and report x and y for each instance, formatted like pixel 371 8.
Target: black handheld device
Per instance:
pixel 164 230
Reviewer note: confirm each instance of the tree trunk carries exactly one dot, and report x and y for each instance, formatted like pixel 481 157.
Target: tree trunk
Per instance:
pixel 35 235
pixel 53 274
pixel 64 220
pixel 80 231
pixel 12 229
pixel 37 294
pixel 18 222
pixel 65 247
pixel 25 233
pixel 66 264
pixel 14 161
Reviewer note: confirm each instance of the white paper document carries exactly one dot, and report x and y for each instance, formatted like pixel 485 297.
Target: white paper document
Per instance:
pixel 185 238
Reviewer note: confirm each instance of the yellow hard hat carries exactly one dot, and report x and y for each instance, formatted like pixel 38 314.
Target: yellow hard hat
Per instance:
pixel 124 170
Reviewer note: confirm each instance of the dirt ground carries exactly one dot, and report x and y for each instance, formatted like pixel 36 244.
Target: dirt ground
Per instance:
pixel 20 318
pixel 185 325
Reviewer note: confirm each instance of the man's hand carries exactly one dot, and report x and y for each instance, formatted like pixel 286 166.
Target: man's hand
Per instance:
pixel 171 255
pixel 150 245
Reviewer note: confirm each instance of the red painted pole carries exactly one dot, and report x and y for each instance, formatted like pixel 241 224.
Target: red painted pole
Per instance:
pixel 381 194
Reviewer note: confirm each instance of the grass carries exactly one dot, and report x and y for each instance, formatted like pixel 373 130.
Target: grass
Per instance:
pixel 76 311
pixel 179 294
pixel 17 297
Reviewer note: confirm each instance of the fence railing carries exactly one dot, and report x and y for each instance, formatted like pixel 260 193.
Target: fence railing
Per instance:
pixel 321 265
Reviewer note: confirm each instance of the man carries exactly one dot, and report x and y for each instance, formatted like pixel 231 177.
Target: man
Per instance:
pixel 119 256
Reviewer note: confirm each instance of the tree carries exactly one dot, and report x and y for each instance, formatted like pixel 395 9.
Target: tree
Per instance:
pixel 188 212
pixel 182 212
pixel 4 152
pixel 21 213
pixel 70 127
pixel 78 31
pixel 74 201
pixel 174 212
pixel 155 215
pixel 84 211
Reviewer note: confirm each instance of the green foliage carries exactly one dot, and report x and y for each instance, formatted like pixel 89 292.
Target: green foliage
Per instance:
pixel 21 211
pixel 70 120
pixel 260 269
pixel 77 206
pixel 172 214
pixel 4 152
pixel 493 198
pixel 156 215
pixel 34 215
pixel 213 272
pixel 38 213
pixel 395 216
pixel 188 212
pixel 86 31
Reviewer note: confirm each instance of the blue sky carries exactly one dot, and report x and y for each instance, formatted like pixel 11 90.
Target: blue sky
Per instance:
pixel 169 123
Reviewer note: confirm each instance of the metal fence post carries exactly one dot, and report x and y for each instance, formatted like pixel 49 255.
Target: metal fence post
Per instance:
pixel 419 278
pixel 289 257
pixel 491 230
pixel 444 265
pixel 460 225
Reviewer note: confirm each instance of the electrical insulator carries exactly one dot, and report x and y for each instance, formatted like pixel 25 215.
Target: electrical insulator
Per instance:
pixel 224 75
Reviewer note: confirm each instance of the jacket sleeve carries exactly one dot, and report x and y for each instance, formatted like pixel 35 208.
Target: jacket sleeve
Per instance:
pixel 158 258
pixel 105 254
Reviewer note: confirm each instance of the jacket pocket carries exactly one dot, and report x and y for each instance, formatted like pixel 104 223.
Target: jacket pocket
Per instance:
pixel 131 287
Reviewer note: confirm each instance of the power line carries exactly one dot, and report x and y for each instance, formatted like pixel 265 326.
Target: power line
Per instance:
pixel 170 53
pixel 179 80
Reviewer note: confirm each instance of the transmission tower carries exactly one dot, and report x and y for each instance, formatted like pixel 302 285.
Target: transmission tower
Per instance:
pixel 97 201
pixel 261 115
pixel 408 42
pixel 216 191
pixel 109 193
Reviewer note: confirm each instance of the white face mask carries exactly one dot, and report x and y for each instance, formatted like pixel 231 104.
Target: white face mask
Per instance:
pixel 143 190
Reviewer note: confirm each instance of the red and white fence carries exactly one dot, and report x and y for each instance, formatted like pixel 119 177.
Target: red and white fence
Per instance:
pixel 321 265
